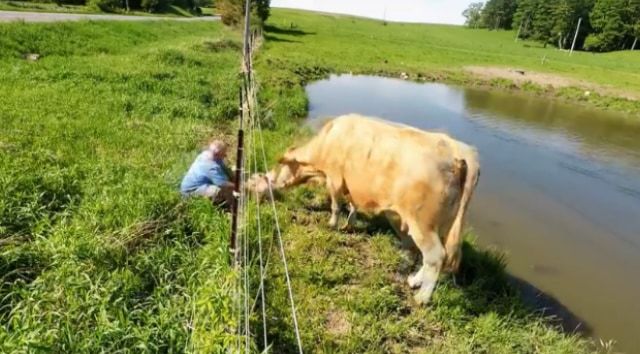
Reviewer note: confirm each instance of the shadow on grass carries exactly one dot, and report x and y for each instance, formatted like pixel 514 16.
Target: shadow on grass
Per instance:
pixel 286 31
pixel 271 38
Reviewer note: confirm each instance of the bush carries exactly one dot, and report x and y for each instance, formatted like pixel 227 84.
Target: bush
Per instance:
pixel 105 5
pixel 155 5
pixel 232 11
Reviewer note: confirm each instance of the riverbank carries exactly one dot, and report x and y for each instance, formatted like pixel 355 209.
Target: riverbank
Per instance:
pixel 350 288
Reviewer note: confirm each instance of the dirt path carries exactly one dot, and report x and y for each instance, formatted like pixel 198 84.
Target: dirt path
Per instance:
pixel 521 76
pixel 9 16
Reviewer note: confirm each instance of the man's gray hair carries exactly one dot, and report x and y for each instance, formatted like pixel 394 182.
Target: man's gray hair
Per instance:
pixel 217 145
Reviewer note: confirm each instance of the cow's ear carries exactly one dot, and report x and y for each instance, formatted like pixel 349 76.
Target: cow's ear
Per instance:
pixel 288 160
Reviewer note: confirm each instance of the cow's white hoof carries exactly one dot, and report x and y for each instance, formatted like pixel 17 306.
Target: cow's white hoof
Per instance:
pixel 422 297
pixel 424 294
pixel 415 280
pixel 333 222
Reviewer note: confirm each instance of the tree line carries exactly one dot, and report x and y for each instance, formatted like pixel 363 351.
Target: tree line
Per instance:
pixel 605 25
pixel 231 11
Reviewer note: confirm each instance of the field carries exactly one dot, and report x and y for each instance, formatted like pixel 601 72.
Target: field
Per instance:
pixel 332 43
pixel 98 250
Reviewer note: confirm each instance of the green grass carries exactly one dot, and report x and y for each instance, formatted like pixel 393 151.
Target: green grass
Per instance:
pixel 99 253
pixel 332 43
pixel 97 249
pixel 45 7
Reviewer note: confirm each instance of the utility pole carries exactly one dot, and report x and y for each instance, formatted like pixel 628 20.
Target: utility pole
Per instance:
pixel 576 36
pixel 384 15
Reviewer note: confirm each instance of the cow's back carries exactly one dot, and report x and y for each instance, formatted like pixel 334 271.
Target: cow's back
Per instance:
pixel 383 164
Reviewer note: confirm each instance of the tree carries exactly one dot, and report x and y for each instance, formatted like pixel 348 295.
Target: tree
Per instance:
pixel 608 21
pixel 632 22
pixel 498 14
pixel 473 14
pixel 553 21
pixel 525 12
pixel 542 23
pixel 232 11
pixel 566 14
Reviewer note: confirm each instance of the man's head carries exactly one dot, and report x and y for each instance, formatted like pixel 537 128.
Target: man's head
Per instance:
pixel 218 149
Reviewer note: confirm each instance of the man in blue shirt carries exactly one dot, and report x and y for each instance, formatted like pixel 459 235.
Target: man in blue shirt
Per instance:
pixel 208 176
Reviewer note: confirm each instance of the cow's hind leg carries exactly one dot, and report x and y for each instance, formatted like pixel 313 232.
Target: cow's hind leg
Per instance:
pixel 334 193
pixel 433 255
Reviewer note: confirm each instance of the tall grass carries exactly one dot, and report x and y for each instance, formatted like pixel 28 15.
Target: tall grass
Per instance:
pixel 97 249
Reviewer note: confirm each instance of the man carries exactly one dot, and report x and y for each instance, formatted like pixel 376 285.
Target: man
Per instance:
pixel 208 176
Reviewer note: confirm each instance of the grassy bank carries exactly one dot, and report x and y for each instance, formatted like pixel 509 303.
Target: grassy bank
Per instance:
pixel 97 250
pixel 319 43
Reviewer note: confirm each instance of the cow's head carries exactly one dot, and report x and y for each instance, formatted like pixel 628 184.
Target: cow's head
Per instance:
pixel 291 171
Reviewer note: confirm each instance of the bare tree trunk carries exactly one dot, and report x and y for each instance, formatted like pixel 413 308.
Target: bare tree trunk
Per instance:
pixel 560 41
pixel 633 47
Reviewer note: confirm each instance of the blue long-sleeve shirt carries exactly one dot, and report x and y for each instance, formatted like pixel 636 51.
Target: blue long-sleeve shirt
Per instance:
pixel 204 171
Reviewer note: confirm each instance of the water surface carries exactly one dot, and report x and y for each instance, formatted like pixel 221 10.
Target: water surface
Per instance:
pixel 559 191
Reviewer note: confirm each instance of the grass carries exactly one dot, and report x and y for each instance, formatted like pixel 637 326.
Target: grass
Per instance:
pixel 97 250
pixel 342 44
pixel 99 253
pixel 352 296
pixel 29 6
pixel 45 7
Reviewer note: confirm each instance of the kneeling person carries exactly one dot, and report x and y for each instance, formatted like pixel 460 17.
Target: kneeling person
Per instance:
pixel 208 176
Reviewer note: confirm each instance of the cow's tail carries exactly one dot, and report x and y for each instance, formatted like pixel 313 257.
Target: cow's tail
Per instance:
pixel 469 175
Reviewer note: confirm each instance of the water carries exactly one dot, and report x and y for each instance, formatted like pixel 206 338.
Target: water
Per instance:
pixel 559 190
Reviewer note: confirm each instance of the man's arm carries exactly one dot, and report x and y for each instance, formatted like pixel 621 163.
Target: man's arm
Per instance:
pixel 218 176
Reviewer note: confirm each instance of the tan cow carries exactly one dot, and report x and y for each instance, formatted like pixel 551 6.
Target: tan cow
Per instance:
pixel 424 179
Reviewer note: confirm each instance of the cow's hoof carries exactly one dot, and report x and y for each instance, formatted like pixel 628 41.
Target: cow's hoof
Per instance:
pixel 414 280
pixel 422 297
pixel 346 228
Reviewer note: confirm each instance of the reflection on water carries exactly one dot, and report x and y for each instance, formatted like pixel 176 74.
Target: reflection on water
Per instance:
pixel 559 191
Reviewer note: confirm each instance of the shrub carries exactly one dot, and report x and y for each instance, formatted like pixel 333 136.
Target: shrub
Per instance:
pixel 232 11
pixel 105 5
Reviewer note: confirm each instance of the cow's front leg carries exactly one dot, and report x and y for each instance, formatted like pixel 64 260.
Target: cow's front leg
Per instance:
pixel 333 193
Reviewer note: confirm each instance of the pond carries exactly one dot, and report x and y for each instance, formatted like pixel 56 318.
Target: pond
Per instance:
pixel 559 192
